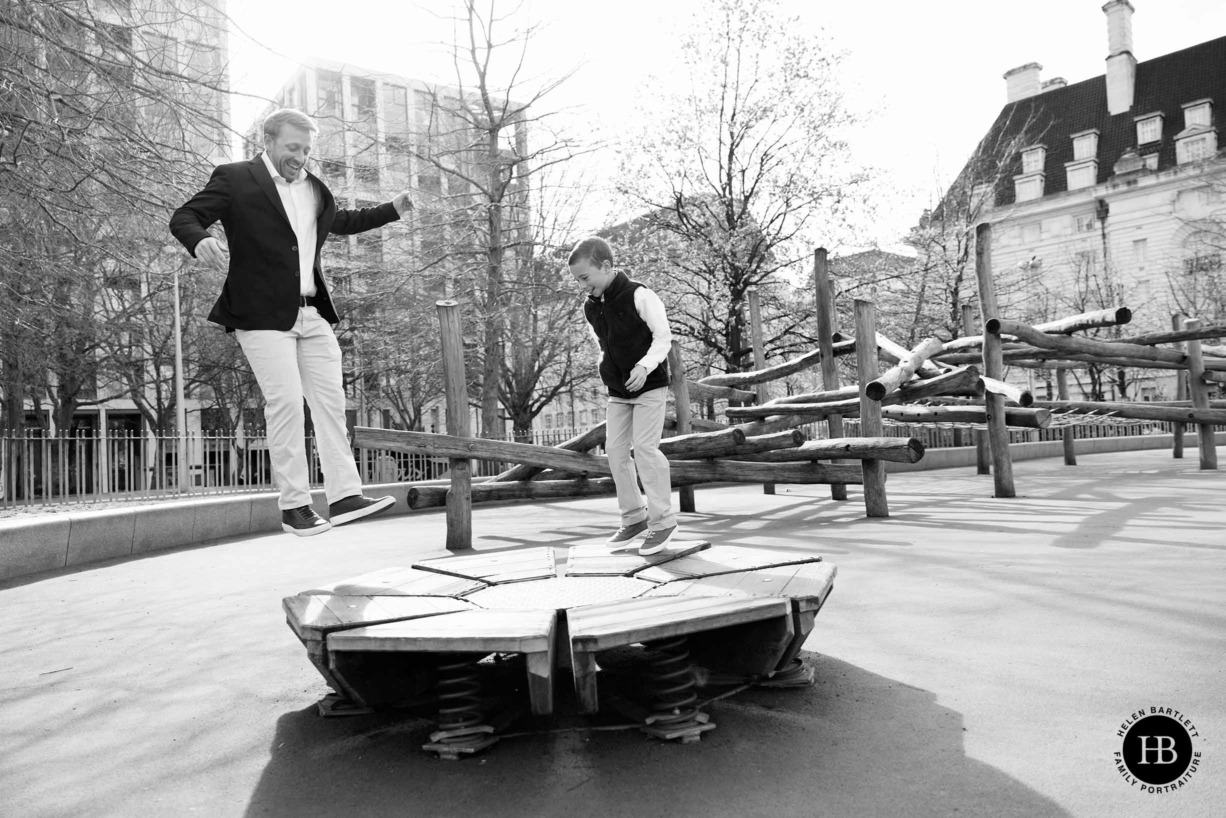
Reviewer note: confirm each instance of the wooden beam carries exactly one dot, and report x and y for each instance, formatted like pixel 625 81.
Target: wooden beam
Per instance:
pixel 824 293
pixel 1070 448
pixel 993 366
pixel 1199 392
pixel 681 399
pixel 1081 346
pixel 780 370
pixel 452 446
pixel 584 442
pixel 1019 396
pixel 1137 410
pixel 1024 418
pixel 1181 391
pixel 1076 323
pixel 703 391
pixel 459 496
pixel 983 455
pixel 907 366
pixel 434 496
pixel 897 449
pixel 872 471
pixel 759 355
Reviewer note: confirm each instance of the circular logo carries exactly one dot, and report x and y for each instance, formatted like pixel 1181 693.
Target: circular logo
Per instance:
pixel 1157 753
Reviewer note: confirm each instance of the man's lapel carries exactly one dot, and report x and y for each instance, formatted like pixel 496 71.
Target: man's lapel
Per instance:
pixel 327 210
pixel 264 179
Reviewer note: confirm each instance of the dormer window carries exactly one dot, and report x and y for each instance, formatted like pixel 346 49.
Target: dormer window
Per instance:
pixel 1198 114
pixel 1149 128
pixel 1085 145
pixel 1032 159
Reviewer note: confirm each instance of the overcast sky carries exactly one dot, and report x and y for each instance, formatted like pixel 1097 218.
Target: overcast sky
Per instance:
pixel 926 74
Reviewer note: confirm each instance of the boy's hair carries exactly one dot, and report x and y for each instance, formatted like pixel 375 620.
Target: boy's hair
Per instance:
pixel 595 249
pixel 287 116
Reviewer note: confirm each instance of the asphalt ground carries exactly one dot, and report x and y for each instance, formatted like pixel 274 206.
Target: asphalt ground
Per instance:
pixel 978 656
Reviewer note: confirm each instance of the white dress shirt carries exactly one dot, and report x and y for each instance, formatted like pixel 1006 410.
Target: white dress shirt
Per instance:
pixel 301 203
pixel 651 309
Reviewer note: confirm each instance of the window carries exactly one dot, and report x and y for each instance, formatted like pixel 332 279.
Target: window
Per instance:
pixel 329 90
pixel 1085 223
pixel 1083 175
pixel 1140 254
pixel 1032 159
pixel 1197 115
pixel 1195 148
pixel 1028 189
pixel 367 175
pixel 1149 129
pixel 1085 146
pixel 395 111
pixel 369 246
pixel 362 90
pixel 1203 262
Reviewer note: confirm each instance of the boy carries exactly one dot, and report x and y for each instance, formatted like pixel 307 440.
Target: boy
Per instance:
pixel 629 321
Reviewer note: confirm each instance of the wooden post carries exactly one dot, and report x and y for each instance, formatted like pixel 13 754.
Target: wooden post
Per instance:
pixel 460 497
pixel 759 355
pixel 983 458
pixel 825 343
pixel 993 365
pixel 1199 392
pixel 875 504
pixel 681 397
pixel 1070 448
pixel 1181 391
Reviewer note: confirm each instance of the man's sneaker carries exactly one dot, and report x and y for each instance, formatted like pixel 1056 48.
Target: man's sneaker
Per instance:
pixel 656 540
pixel 627 533
pixel 303 521
pixel 356 507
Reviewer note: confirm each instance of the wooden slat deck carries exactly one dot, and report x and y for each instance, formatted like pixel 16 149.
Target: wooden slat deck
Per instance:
pixel 806 584
pixel 722 559
pixel 504 566
pixel 603 560
pixel 313 616
pixel 400 582
pixel 593 628
pixel 475 631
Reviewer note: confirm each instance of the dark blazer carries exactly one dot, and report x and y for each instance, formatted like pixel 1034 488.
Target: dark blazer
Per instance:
pixel 262 287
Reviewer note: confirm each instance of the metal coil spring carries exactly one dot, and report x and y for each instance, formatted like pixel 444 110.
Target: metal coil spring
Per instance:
pixel 671 682
pixel 459 693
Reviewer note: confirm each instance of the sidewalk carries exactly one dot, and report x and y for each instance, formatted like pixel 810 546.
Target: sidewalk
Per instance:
pixel 977 657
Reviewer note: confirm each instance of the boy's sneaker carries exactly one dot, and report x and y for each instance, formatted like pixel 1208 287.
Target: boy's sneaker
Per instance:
pixel 656 540
pixel 356 507
pixel 627 533
pixel 303 521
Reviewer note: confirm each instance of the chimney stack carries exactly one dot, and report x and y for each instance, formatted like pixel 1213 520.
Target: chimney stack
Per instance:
pixel 1054 83
pixel 1023 81
pixel 1121 65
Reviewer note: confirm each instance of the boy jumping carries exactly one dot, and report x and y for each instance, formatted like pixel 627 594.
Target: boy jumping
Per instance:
pixel 632 327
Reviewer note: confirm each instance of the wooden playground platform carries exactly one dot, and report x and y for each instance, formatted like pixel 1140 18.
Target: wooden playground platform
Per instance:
pixel 420 634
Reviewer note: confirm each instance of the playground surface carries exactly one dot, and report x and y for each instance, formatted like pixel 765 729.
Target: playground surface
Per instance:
pixel 978 656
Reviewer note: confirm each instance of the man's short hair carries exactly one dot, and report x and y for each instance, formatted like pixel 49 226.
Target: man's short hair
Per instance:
pixel 274 122
pixel 595 249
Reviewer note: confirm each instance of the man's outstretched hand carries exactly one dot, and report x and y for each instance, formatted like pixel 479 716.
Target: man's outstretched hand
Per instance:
pixel 402 203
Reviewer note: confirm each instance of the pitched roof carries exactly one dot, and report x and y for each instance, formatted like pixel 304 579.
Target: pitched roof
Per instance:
pixel 1163 85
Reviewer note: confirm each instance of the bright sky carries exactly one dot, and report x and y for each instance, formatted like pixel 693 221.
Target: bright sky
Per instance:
pixel 927 74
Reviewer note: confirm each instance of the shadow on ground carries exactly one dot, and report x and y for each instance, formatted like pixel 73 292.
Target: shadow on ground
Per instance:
pixel 855 743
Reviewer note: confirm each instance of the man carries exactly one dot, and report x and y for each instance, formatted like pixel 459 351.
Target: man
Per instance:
pixel 276 216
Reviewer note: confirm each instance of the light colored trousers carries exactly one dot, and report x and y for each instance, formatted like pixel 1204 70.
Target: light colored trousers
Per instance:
pixel 638 422
pixel 303 362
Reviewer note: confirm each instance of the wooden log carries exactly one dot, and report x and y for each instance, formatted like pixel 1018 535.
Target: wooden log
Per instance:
pixel 1139 410
pixel 1199 393
pixel 1214 351
pixel 1025 418
pixel 759 355
pixel 584 442
pixel 897 449
pixel 434 496
pixel 957 380
pixel 703 392
pixel 1036 357
pixel 780 370
pixel 739 471
pixel 1076 323
pixel 1070 447
pixel 697 423
pixel 894 377
pixel 842 393
pixel 983 455
pixel 898 354
pixel 1203 332
pixel 1019 396
pixel 703 444
pixel 681 398
pixel 1081 346
pixel 459 495
pixel 993 366
pixel 872 471
pixel 1181 392
pixel 788 439
pixel 824 293
pixel 452 446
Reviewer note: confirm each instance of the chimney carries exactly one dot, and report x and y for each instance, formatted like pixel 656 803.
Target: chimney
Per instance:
pixel 1054 83
pixel 1121 65
pixel 1023 81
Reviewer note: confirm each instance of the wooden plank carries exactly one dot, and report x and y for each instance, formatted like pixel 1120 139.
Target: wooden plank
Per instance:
pixel 613 624
pixel 601 560
pixel 723 559
pixel 474 631
pixel 502 566
pixel 313 616
pixel 399 582
pixel 806 584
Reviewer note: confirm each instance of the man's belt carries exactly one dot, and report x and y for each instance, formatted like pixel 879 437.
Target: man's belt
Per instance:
pixel 309 301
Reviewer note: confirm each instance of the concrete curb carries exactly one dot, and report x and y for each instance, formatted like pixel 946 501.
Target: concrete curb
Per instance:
pixel 37 544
